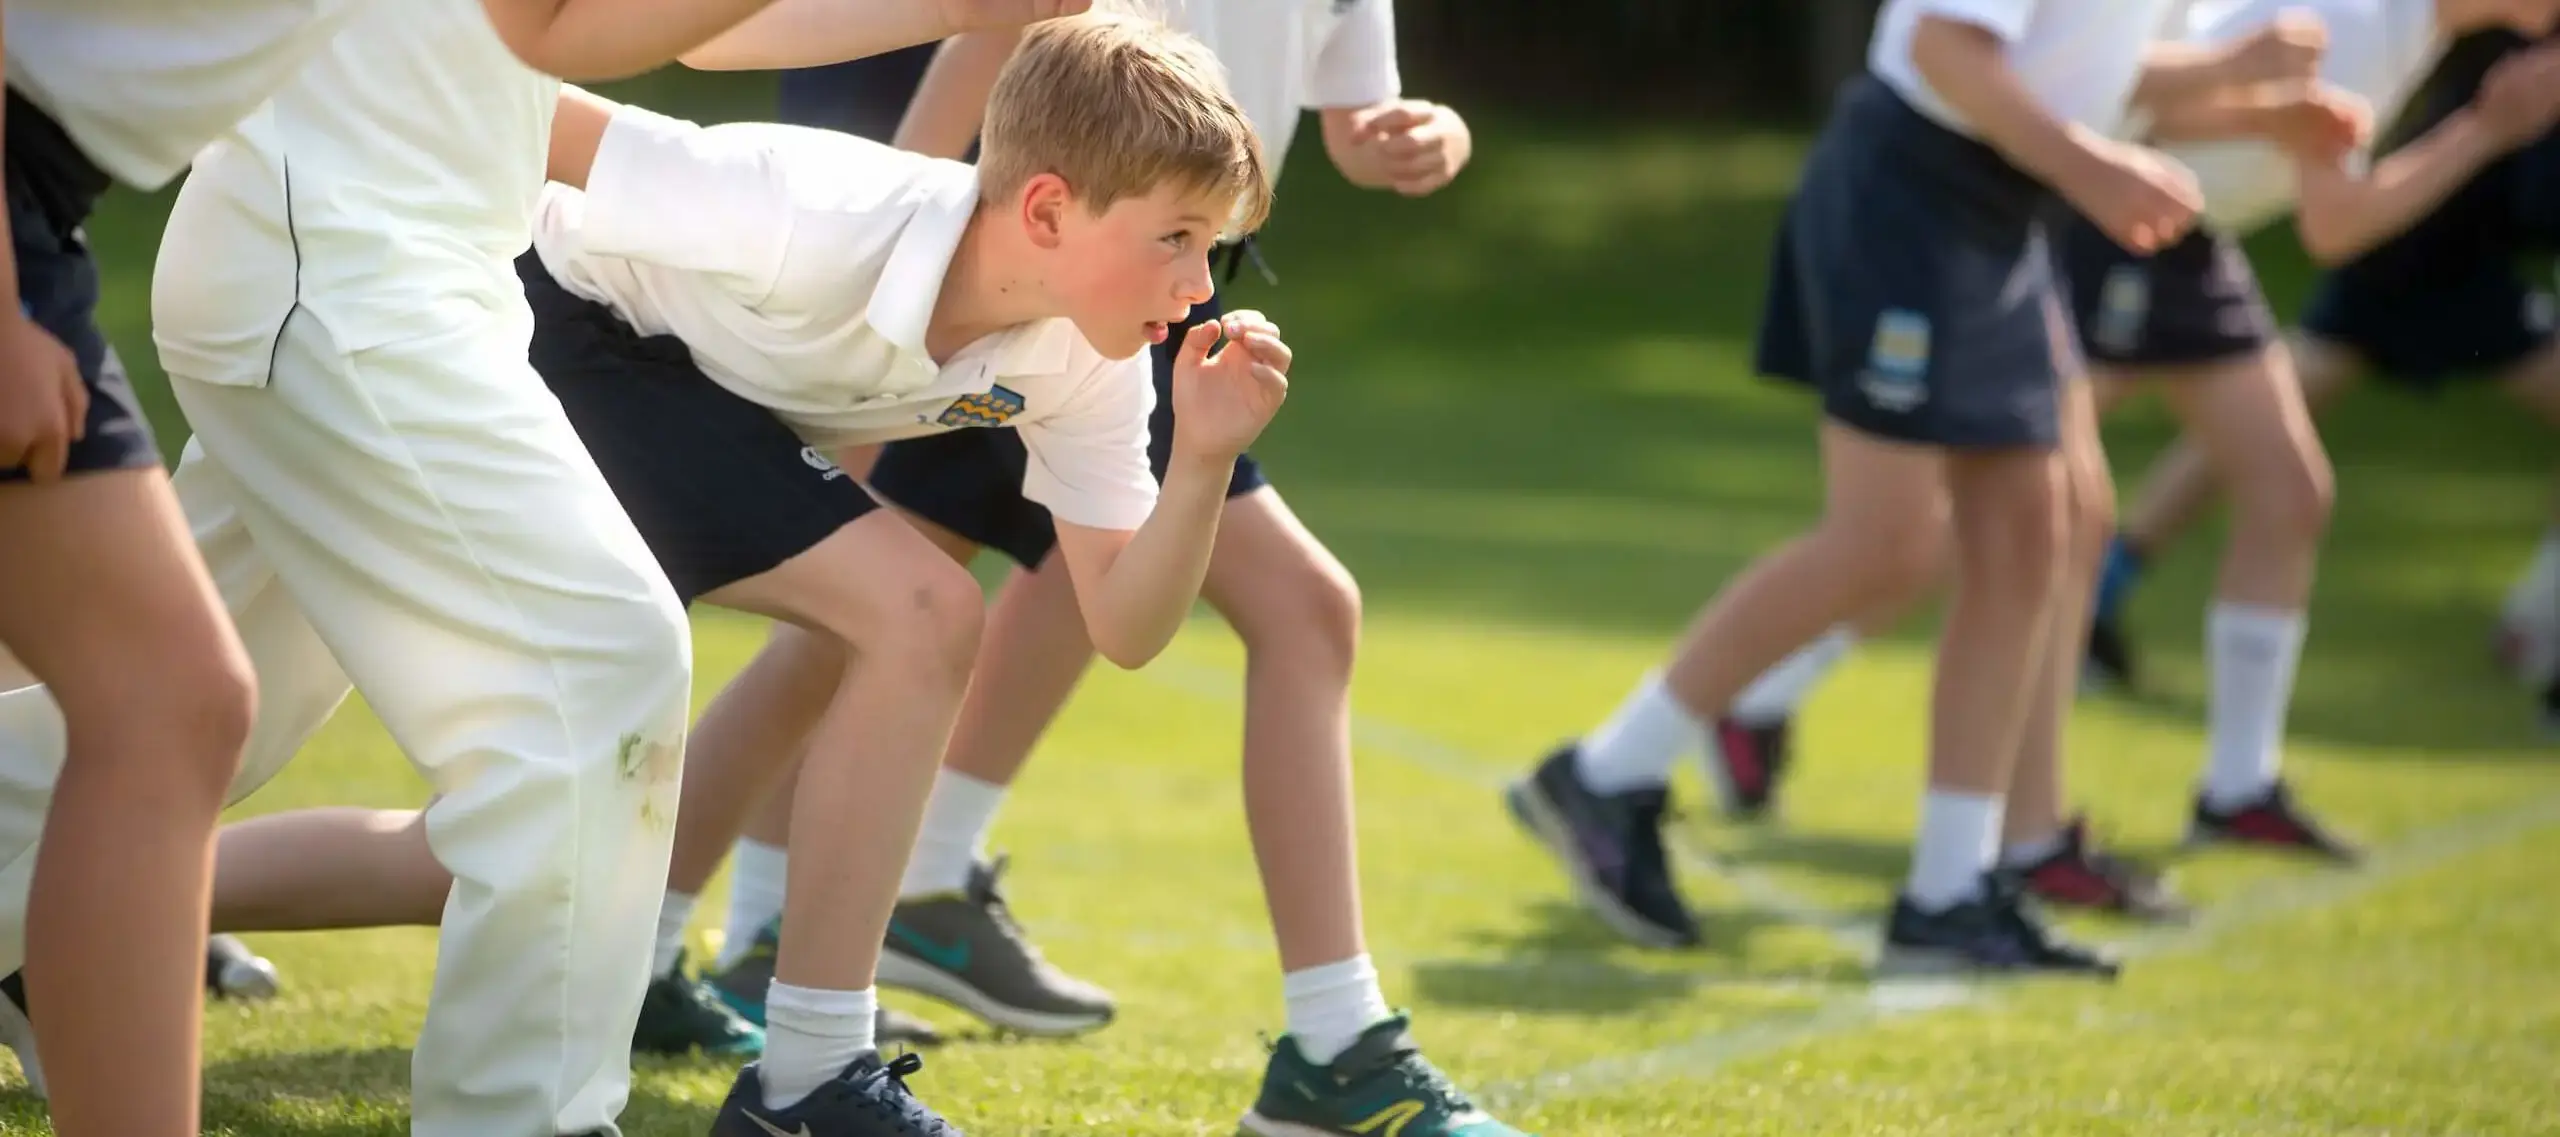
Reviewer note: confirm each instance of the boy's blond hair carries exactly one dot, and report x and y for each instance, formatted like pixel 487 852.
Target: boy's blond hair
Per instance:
pixel 1117 104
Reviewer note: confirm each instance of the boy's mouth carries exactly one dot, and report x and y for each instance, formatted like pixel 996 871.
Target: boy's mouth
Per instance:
pixel 1158 331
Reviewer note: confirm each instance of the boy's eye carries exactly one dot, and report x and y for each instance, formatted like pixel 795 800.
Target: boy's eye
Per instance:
pixel 1178 240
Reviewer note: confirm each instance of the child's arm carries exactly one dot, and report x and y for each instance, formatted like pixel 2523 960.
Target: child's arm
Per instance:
pixel 1136 588
pixel 812 33
pixel 2314 120
pixel 1406 145
pixel 2288 48
pixel 2341 216
pixel 951 103
pixel 578 120
pixel 2140 199
pixel 592 40
pixel 44 407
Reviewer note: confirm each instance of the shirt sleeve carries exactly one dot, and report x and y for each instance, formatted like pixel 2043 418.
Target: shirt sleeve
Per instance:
pixel 670 193
pixel 1088 459
pixel 2006 19
pixel 1356 65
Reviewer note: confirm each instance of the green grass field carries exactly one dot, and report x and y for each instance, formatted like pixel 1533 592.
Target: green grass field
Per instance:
pixel 1523 417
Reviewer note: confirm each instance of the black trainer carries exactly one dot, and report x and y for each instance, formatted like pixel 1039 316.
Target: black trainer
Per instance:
pixel 1610 846
pixel 869 1099
pixel 1993 932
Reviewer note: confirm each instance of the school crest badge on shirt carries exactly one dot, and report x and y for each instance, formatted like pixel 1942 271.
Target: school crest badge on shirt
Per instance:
pixel 994 408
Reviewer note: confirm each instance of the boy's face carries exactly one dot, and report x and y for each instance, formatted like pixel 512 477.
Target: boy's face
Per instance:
pixel 2532 18
pixel 1132 271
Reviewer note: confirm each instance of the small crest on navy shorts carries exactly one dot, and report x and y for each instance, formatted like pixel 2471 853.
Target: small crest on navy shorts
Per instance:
pixel 995 408
pixel 1897 375
pixel 2124 309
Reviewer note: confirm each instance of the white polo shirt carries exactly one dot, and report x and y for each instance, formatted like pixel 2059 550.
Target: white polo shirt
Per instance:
pixel 1286 57
pixel 143 84
pixel 2080 58
pixel 802 267
pixel 386 190
pixel 2380 50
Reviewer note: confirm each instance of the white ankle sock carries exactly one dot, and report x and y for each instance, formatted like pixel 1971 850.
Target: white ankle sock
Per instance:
pixel 953 836
pixel 758 873
pixel 674 914
pixel 2253 653
pixel 810 1036
pixel 1959 837
pixel 1639 744
pixel 1329 1005
pixel 1774 696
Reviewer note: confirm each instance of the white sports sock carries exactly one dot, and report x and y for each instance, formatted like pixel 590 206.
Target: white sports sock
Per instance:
pixel 758 874
pixel 953 836
pixel 1773 697
pixel 810 1036
pixel 673 914
pixel 2253 653
pixel 1959 837
pixel 1639 744
pixel 1329 1005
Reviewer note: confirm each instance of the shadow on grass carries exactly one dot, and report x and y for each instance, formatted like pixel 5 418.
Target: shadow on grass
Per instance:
pixel 365 1093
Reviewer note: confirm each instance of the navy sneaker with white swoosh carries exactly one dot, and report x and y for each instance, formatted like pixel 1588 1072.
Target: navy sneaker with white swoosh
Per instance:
pixel 869 1099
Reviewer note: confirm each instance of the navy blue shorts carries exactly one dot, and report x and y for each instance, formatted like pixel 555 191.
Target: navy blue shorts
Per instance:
pixel 864 97
pixel 1913 284
pixel 719 488
pixel 2195 302
pixel 51 187
pixel 970 481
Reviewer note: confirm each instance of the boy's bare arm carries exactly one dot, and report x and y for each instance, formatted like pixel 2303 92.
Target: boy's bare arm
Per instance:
pixel 578 121
pixel 2340 216
pixel 596 40
pixel 1407 145
pixel 2314 121
pixel 2288 48
pixel 812 33
pixel 2140 199
pixel 951 103
pixel 1136 588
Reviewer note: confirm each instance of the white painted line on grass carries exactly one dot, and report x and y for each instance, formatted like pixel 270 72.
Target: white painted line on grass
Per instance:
pixel 1704 1054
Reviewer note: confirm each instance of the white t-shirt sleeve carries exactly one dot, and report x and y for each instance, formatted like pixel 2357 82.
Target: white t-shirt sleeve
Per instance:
pixel 1356 65
pixel 1088 459
pixel 667 192
pixel 2004 18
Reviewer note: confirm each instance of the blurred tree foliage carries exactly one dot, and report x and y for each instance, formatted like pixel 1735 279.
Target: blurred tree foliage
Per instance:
pixel 1723 58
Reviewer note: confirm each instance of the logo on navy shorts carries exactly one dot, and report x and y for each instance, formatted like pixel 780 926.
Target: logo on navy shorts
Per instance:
pixel 2541 314
pixel 2124 309
pixel 817 460
pixel 1897 374
pixel 995 408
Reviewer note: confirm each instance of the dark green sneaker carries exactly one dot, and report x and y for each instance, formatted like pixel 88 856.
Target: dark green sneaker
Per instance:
pixel 682 1015
pixel 964 949
pixel 1381 1087
pixel 742 985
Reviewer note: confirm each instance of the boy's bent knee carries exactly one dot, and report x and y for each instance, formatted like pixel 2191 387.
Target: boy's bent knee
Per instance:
pixel 1313 609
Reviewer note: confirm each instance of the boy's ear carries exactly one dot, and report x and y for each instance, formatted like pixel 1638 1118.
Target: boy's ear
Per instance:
pixel 1044 205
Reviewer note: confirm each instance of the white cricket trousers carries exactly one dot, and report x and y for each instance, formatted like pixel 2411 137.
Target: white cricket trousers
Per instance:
pixel 423 514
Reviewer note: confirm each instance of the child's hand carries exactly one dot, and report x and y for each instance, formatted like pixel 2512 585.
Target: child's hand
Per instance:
pixel 44 406
pixel 2321 124
pixel 1416 146
pixel 1221 402
pixel 2519 99
pixel 2142 199
pixel 980 15
pixel 2288 48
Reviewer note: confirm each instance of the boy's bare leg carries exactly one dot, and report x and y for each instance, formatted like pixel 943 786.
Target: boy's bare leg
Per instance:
pixel 1596 804
pixel 743 750
pixel 317 869
pixel 2032 824
pixel 915 617
pixel 104 597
